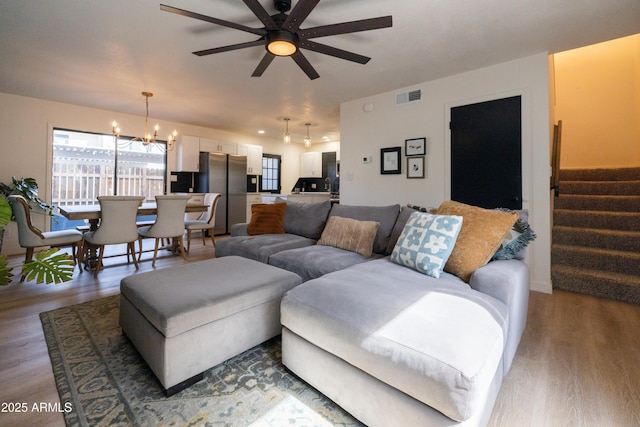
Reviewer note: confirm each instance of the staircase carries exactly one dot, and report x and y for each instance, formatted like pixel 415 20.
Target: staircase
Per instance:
pixel 596 233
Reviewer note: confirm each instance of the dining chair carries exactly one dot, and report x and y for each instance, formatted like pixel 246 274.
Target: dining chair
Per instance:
pixel 30 237
pixel 169 224
pixel 117 226
pixel 206 221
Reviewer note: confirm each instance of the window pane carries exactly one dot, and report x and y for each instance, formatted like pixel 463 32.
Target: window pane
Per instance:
pixel 270 173
pixel 84 167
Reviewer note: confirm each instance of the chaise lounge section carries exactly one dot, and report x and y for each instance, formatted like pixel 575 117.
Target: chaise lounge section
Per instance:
pixel 421 328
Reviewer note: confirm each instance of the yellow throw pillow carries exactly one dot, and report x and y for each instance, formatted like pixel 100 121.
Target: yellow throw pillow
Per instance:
pixel 481 235
pixel 267 218
pixel 350 234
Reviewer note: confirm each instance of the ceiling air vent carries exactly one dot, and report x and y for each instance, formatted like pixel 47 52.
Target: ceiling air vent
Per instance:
pixel 406 97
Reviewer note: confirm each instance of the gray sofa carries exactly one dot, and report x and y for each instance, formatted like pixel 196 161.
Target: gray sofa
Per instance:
pixel 393 346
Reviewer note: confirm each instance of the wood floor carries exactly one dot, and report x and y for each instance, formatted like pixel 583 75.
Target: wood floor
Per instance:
pixel 578 363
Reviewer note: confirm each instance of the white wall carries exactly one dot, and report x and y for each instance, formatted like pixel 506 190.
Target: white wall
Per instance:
pixel 598 100
pixel 387 125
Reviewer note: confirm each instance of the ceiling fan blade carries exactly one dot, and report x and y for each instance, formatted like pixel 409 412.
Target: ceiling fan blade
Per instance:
pixel 346 27
pixel 298 14
pixel 334 51
pixel 306 66
pixel 258 31
pixel 258 42
pixel 261 13
pixel 264 63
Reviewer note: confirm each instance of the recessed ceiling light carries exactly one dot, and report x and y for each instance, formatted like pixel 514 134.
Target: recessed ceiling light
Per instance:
pixel 261 132
pixel 326 138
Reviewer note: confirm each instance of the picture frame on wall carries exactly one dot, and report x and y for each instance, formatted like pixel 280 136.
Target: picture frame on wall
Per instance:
pixel 390 160
pixel 415 167
pixel 415 147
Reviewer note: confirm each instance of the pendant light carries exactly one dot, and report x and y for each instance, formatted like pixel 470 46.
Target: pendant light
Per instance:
pixel 287 137
pixel 307 139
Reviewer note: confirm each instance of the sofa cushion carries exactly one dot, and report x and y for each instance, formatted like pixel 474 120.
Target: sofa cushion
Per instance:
pixel 305 219
pixel 385 215
pixel 267 219
pixel 314 261
pixel 260 247
pixel 427 242
pixel 481 235
pixel 436 340
pixel 350 234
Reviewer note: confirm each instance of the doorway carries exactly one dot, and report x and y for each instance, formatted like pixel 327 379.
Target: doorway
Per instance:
pixel 486 153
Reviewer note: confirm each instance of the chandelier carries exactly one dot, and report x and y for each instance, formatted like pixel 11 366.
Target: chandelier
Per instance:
pixel 148 138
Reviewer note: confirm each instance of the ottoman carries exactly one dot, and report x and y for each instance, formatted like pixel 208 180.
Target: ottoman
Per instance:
pixel 185 320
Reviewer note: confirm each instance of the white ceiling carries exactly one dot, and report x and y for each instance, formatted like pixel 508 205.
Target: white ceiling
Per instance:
pixel 104 53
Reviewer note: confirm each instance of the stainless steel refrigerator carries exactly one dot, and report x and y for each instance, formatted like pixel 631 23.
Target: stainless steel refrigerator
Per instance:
pixel 227 175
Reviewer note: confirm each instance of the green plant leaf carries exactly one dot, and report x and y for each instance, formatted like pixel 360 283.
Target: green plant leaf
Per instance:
pixel 49 266
pixel 5 212
pixel 5 271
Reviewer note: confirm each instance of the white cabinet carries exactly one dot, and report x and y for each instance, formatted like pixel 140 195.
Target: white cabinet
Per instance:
pixel 311 165
pixel 252 199
pixel 254 157
pixel 188 153
pixel 216 146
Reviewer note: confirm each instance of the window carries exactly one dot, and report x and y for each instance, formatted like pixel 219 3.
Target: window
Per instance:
pixel 84 167
pixel 270 173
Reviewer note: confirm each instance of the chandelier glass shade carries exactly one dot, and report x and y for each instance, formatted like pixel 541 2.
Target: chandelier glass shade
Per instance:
pixel 147 139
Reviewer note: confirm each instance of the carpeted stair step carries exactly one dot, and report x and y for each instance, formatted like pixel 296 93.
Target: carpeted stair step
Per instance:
pixel 627 221
pixel 613 261
pixel 620 188
pixel 598 203
pixel 622 287
pixel 597 238
pixel 601 174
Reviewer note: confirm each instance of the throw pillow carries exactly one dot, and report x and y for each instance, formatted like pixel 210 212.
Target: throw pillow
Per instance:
pixel 516 239
pixel 267 218
pixel 350 234
pixel 426 242
pixel 305 219
pixel 481 234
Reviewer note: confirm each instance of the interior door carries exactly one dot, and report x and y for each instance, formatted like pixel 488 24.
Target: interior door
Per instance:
pixel 486 153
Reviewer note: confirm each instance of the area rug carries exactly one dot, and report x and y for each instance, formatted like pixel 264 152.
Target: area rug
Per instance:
pixel 103 381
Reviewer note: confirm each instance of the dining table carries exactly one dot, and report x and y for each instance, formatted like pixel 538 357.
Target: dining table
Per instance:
pixel 92 214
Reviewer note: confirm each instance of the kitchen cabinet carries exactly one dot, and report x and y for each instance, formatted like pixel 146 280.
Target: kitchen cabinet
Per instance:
pixel 311 165
pixel 216 146
pixel 252 199
pixel 254 157
pixel 188 152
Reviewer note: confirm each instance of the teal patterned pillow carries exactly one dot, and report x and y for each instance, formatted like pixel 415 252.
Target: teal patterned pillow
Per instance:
pixel 518 238
pixel 426 242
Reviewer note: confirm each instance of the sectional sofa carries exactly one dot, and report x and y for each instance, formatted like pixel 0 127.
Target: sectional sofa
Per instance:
pixel 393 334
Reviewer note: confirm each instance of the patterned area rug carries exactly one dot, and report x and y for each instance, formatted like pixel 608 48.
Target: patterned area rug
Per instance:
pixel 104 380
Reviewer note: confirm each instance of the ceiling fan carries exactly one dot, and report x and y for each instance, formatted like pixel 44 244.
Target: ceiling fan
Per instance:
pixel 282 35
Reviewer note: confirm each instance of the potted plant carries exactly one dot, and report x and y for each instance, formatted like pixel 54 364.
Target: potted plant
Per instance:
pixel 50 266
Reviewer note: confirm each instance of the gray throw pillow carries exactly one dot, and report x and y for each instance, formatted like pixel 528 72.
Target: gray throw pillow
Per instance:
pixel 306 219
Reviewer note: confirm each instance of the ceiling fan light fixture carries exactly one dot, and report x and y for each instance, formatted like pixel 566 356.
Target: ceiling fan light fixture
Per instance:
pixel 282 43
